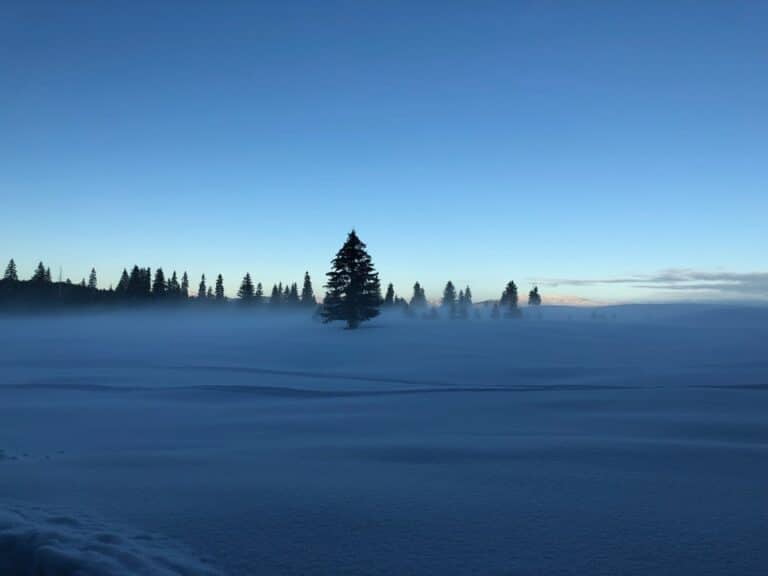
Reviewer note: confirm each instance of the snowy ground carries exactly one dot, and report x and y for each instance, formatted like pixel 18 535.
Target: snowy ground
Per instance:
pixel 633 443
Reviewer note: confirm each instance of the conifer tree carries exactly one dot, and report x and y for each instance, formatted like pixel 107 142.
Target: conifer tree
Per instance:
pixel 174 290
pixel 48 275
pixel 245 293
pixel 307 294
pixel 122 285
pixel 509 300
pixel 419 298
pixel 159 289
pixel 185 285
pixel 201 289
pixel 449 299
pixel 534 298
pixel 10 272
pixel 135 282
pixel 92 279
pixel 258 297
pixel 389 297
pixel 277 294
pixel 286 298
pixel 353 292
pixel 219 288
pixel 39 274
pixel 209 296
pixel 294 294
pixel 467 296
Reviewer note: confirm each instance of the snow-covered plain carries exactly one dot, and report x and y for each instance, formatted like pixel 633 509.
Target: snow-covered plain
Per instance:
pixel 634 442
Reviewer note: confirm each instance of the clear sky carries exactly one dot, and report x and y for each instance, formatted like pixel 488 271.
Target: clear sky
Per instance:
pixel 563 143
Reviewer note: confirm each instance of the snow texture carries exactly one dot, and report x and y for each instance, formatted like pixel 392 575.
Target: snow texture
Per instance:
pixel 626 440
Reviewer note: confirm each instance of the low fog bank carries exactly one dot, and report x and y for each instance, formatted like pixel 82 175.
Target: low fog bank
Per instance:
pixel 627 345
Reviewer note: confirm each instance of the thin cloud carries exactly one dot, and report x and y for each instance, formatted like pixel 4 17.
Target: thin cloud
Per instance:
pixel 745 284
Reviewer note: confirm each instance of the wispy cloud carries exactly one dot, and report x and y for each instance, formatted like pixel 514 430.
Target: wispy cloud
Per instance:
pixel 744 284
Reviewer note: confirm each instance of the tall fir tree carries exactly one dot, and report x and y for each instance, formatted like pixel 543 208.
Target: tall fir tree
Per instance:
pixel 10 272
pixel 174 290
pixel 307 293
pixel 353 291
pixel 201 289
pixel 159 288
pixel 294 294
pixel 419 298
pixel 246 291
pixel 219 288
pixel 92 284
pixel 184 286
pixel 122 285
pixel 534 298
pixel 389 297
pixel 509 300
pixel 39 274
pixel 449 299
pixel 276 296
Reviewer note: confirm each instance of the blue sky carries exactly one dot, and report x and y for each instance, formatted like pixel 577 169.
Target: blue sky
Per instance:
pixel 560 143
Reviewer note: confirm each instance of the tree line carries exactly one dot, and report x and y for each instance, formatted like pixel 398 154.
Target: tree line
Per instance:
pixel 353 293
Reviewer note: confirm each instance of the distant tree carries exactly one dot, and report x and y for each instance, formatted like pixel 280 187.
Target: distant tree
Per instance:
pixel 419 298
pixel 307 293
pixel 276 296
pixel 184 286
pixel 468 296
pixel 146 279
pixel 258 296
pixel 246 291
pixel 82 283
pixel 449 299
pixel 92 279
pixel 159 288
pixel 353 293
pixel 122 285
pixel 219 288
pixel 389 297
pixel 534 298
pixel 294 294
pixel 201 289
pixel 10 272
pixel 48 275
pixel 509 300
pixel 174 290
pixel 38 275
pixel 286 299
pixel 135 283
pixel 209 296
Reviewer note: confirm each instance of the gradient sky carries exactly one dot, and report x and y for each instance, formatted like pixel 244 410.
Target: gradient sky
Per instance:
pixel 563 143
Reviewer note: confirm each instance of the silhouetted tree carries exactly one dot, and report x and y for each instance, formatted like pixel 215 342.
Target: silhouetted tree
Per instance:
pixel 307 294
pixel 185 286
pixel 158 285
pixel 245 293
pixel 122 285
pixel 276 296
pixel 509 299
pixel 92 279
pixel 258 297
pixel 10 272
pixel 209 296
pixel 174 290
pixel 48 275
pixel 219 288
pixel 294 294
pixel 389 297
pixel 468 296
pixel 419 298
pixel 353 292
pixel 449 299
pixel 534 298
pixel 201 289
pixel 38 276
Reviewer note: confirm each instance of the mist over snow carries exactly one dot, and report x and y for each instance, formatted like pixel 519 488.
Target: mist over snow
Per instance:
pixel 628 439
